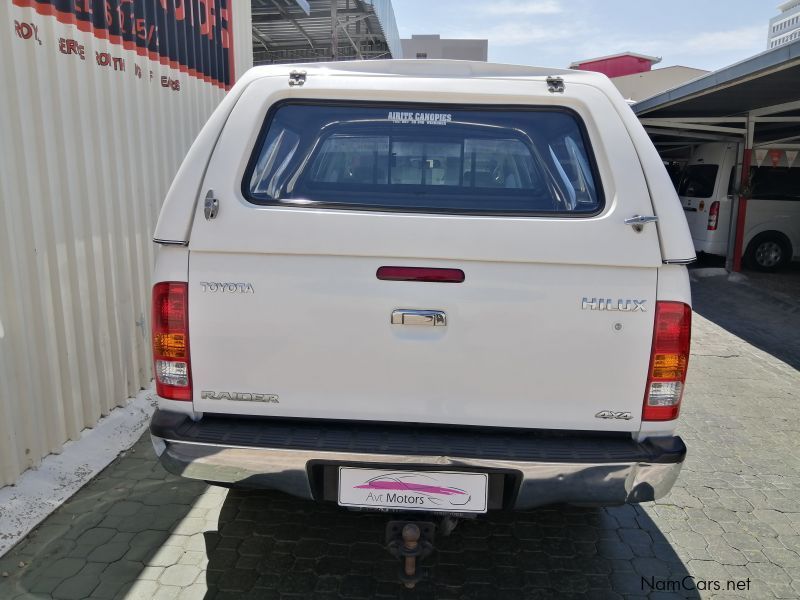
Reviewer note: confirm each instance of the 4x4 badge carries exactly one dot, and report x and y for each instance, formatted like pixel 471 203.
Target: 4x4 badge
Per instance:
pixel 612 414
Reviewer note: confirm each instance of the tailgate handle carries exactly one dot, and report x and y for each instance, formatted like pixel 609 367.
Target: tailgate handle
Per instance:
pixel 407 316
pixel 639 221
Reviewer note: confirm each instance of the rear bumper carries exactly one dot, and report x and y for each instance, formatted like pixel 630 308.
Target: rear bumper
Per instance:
pixel 538 468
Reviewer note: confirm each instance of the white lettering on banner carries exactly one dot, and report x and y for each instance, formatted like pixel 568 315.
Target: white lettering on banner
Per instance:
pixel 419 118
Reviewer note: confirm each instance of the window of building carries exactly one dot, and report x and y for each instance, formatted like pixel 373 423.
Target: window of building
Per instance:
pixel 422 55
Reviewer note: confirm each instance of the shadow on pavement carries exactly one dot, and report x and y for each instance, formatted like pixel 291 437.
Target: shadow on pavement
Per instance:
pixel 113 533
pixel 755 310
pixel 269 545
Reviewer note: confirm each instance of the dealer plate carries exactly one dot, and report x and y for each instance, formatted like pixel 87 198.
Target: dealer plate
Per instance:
pixel 448 491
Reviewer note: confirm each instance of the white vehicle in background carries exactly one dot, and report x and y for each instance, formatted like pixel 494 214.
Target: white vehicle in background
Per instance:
pixel 772 226
pixel 423 286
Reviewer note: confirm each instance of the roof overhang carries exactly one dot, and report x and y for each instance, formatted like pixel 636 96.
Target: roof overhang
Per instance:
pixel 767 79
pixel 286 31
pixel 757 100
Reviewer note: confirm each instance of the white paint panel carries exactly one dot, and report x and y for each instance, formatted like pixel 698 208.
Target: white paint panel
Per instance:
pixel 88 153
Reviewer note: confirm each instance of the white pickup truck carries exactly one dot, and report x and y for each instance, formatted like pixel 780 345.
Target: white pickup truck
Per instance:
pixel 435 286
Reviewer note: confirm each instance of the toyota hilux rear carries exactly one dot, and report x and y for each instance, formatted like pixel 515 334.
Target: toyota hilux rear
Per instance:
pixel 423 286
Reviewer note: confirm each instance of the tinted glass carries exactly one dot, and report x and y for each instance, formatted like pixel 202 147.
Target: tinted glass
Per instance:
pixel 775 183
pixel 698 181
pixel 732 182
pixel 425 159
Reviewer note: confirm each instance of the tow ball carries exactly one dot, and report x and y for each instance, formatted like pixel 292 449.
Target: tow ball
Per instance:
pixel 410 541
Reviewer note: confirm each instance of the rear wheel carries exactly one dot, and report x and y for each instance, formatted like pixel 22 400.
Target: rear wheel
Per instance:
pixel 768 252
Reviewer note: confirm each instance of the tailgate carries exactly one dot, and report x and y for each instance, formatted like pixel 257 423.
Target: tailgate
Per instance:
pixel 517 349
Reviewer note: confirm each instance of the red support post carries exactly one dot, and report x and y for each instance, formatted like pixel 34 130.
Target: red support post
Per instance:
pixel 741 214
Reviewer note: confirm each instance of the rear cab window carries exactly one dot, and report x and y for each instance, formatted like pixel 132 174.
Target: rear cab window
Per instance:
pixel 698 181
pixel 425 158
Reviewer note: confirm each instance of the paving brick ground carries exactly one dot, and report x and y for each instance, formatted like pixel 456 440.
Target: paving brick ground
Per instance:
pixel 136 532
pixel 764 310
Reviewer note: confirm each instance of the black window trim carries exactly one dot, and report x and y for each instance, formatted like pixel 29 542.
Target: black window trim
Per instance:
pixel 255 153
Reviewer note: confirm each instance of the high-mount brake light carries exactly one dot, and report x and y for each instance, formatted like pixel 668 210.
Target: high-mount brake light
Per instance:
pixel 170 333
pixel 433 274
pixel 713 216
pixel 669 359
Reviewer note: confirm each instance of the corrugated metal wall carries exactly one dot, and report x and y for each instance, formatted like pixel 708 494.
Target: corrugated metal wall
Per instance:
pixel 88 148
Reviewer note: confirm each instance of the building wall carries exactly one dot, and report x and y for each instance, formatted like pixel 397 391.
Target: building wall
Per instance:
pixel 385 13
pixel 784 28
pixel 95 122
pixel 639 86
pixel 433 46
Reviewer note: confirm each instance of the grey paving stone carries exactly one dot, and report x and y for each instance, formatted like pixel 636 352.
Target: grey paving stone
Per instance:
pixel 81 585
pixel 108 553
pixel 179 575
pixel 165 556
pixel 65 567
pixel 140 590
pixel 45 585
pixel 193 592
pixel 96 536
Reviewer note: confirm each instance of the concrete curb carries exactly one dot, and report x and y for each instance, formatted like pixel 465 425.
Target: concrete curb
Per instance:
pixel 703 272
pixel 41 490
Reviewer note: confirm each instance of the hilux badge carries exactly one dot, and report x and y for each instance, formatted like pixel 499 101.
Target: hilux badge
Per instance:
pixel 613 305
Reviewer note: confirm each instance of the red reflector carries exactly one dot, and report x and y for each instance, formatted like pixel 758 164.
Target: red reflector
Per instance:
pixel 420 274
pixel 713 216
pixel 673 327
pixel 170 339
pixel 669 359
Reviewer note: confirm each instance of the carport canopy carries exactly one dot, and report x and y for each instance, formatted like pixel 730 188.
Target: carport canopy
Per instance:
pixel 286 31
pixel 755 102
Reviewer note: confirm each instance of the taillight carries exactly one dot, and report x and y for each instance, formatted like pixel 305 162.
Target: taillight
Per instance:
pixel 170 330
pixel 669 358
pixel 713 215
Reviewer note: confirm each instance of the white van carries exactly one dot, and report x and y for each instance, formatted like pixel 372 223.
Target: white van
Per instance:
pixel 434 286
pixel 707 191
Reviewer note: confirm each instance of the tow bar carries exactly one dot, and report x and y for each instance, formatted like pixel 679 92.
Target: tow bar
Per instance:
pixel 410 541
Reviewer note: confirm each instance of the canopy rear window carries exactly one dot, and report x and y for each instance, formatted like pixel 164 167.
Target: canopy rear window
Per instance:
pixel 436 159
